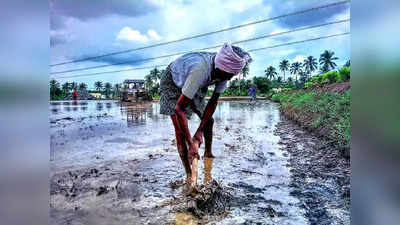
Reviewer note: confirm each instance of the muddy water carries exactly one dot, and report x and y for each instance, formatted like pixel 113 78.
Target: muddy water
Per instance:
pixel 115 163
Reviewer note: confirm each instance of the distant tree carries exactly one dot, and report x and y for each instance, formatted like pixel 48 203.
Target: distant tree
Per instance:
pixel 347 63
pixel 117 90
pixel 74 86
pixel 270 72
pixel 310 65
pixel 295 68
pixel 303 77
pixel 284 66
pixel 55 90
pixel 155 74
pixel 107 89
pixel 98 85
pixel 326 60
pixel 148 80
pixel 279 80
pixel 244 72
pixel 65 87
pixel 82 86
pixel 263 84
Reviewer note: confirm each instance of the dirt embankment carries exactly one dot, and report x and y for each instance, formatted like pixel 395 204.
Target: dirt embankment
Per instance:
pixel 323 110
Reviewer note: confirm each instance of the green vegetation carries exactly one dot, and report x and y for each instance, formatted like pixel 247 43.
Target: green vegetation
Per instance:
pixel 321 111
pixel 328 113
pixel 330 77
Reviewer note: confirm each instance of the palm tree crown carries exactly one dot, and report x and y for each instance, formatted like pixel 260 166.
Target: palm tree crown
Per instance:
pixel 270 72
pixel 326 60
pixel 284 66
pixel 98 85
pixel 295 68
pixel 310 64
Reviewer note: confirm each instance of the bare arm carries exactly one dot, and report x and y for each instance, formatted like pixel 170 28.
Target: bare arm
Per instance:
pixel 182 103
pixel 208 112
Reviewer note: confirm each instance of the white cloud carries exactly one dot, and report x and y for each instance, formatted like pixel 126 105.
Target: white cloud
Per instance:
pixel 153 34
pixel 277 31
pixel 129 34
pixel 299 58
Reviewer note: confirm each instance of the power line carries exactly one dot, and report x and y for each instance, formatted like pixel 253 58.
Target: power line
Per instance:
pixel 202 49
pixel 205 34
pixel 297 42
pixel 251 50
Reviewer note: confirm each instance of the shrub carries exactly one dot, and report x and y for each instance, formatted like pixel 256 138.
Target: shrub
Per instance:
pixel 308 84
pixel 329 77
pixel 343 74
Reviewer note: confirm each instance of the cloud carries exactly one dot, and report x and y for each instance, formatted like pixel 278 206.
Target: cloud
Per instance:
pixel 58 37
pixel 299 58
pixel 87 9
pixel 153 34
pixel 129 34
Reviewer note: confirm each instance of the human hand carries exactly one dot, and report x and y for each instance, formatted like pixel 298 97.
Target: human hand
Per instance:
pixel 198 136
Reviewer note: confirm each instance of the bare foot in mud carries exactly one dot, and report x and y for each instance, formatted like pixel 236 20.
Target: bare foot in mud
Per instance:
pixel 192 190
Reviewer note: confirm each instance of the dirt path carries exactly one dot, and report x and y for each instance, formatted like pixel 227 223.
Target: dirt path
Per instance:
pixel 320 175
pixel 119 165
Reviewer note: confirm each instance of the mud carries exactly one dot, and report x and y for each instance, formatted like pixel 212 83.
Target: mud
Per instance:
pixel 320 175
pixel 115 163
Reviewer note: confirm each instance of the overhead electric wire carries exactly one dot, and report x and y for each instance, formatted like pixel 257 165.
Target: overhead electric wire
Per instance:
pixel 205 34
pixel 202 49
pixel 251 50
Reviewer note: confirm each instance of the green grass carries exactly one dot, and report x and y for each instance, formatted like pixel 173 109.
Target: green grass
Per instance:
pixel 321 110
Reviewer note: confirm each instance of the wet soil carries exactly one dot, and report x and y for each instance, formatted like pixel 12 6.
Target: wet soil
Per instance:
pixel 117 163
pixel 320 175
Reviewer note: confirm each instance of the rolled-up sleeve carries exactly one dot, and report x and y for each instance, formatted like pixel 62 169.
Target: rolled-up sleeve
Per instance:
pixel 196 79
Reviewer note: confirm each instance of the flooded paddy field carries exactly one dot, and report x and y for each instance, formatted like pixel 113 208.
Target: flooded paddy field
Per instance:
pixel 117 163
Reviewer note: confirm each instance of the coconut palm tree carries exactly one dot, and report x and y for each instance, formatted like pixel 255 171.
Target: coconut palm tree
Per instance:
pixel 284 66
pixel 107 89
pixel 347 63
pixel 148 80
pixel 155 74
pixel 244 72
pixel 117 90
pixel 295 68
pixel 326 60
pixel 98 85
pixel 270 72
pixel 310 65
pixel 65 87
pixel 74 86
pixel 82 86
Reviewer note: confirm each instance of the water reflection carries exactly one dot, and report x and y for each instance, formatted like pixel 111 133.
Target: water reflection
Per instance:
pixel 137 113
pixel 99 106
pixel 208 163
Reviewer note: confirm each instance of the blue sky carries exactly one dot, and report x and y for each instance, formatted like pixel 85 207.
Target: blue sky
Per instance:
pixel 84 28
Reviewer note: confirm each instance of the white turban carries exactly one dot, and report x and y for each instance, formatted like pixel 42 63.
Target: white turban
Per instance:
pixel 231 59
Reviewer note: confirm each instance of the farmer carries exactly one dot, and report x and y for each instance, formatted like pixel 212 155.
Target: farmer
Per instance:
pixel 183 89
pixel 252 93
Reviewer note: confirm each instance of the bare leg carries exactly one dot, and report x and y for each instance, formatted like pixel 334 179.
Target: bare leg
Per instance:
pixel 208 136
pixel 182 147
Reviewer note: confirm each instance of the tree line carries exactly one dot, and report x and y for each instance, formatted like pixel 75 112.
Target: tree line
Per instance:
pixel 61 91
pixel 239 86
